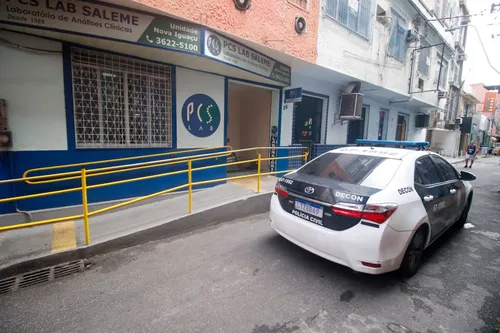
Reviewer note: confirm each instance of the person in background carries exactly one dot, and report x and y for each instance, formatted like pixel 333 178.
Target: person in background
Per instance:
pixel 470 154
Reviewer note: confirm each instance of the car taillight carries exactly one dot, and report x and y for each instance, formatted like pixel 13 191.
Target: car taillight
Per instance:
pixel 279 190
pixel 375 213
pixel 378 213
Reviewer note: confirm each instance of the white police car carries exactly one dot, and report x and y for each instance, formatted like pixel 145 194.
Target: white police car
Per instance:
pixel 373 209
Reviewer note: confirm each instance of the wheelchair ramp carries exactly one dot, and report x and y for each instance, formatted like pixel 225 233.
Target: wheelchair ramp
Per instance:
pixel 35 248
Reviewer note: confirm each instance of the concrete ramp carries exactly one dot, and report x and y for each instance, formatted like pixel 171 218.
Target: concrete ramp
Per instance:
pixel 33 248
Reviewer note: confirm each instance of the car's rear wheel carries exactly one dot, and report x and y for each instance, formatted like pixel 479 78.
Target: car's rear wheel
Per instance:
pixel 414 254
pixel 465 213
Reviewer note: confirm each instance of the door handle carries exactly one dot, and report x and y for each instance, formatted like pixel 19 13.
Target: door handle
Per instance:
pixel 453 191
pixel 428 198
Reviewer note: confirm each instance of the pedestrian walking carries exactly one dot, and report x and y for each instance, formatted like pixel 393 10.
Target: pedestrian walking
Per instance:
pixel 470 154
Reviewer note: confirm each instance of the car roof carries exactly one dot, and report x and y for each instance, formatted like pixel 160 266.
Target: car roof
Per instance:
pixel 393 153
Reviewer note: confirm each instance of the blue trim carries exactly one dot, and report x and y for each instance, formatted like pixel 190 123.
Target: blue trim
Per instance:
pixel 173 84
pixel 280 113
pixel 202 39
pixel 226 109
pixel 68 96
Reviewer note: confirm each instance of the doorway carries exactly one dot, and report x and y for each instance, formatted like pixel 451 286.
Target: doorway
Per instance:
pixel 307 116
pixel 382 124
pixel 357 129
pixel 402 127
pixel 249 121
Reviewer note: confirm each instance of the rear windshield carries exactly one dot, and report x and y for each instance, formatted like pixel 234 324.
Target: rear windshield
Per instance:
pixel 364 170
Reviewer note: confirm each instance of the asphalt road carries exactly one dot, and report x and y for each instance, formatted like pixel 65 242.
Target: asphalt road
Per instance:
pixel 242 277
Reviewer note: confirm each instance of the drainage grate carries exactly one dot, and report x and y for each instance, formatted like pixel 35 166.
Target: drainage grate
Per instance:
pixel 28 279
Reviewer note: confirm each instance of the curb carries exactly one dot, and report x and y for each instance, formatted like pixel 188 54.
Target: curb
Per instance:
pixel 253 205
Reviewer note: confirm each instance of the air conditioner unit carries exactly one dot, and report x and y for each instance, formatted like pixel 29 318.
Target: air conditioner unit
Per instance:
pixel 351 106
pixel 411 35
pixel 462 57
pixel 442 94
pixel 458 121
pixel 462 3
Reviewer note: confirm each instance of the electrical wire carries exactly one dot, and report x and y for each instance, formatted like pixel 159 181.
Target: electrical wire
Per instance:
pixel 27 48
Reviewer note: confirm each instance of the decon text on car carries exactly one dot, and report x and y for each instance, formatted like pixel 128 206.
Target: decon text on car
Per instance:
pixel 374 209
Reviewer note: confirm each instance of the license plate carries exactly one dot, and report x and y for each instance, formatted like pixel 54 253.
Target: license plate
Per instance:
pixel 309 208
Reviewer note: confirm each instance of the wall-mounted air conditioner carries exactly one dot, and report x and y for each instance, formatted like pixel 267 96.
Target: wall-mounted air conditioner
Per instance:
pixel 351 106
pixel 442 94
pixel 461 57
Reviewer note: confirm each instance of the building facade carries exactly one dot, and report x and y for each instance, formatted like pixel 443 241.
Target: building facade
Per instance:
pixel 85 81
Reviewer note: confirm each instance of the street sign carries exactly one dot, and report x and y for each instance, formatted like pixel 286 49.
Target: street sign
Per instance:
pixel 293 95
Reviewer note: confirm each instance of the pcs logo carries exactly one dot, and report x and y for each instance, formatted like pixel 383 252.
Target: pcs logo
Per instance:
pixel 201 115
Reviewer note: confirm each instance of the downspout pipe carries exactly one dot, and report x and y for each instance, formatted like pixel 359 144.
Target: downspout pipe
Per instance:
pixel 28 214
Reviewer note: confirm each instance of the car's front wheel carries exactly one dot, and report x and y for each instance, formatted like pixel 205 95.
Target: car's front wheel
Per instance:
pixel 414 254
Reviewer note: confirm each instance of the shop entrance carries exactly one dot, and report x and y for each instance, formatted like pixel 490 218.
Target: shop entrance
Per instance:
pixel 252 112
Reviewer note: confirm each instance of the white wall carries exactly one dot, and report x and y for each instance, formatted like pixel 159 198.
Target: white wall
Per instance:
pixel 445 141
pixel 394 111
pixel 189 83
pixel 368 60
pixel 335 133
pixel 32 84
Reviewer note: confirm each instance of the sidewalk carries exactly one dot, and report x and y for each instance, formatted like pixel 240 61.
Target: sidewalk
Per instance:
pixel 212 205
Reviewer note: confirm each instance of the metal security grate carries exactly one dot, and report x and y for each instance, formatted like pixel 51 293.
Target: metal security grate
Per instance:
pixel 120 101
pixel 40 276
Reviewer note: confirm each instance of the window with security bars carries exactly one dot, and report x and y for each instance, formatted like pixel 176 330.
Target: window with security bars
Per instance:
pixel 120 102
pixel 397 44
pixel 354 14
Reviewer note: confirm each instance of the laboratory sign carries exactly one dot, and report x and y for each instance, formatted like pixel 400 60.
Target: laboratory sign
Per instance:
pixel 103 21
pixel 236 54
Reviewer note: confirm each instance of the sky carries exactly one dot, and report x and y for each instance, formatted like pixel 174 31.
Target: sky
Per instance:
pixel 476 68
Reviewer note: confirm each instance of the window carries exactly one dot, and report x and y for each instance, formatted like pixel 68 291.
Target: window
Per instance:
pixel 397 44
pixel 447 171
pixel 424 58
pixel 120 102
pixel 304 4
pixel 364 170
pixel 354 14
pixel 426 172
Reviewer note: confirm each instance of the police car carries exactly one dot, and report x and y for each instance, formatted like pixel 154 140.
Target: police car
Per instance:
pixel 374 209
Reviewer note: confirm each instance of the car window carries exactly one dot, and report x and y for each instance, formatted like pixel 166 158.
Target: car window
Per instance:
pixel 447 171
pixel 426 172
pixel 371 171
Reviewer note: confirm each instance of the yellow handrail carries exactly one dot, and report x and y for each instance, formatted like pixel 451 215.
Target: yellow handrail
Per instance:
pixel 86 164
pixel 84 175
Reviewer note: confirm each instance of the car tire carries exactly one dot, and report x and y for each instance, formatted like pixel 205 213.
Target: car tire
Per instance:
pixel 413 257
pixel 465 213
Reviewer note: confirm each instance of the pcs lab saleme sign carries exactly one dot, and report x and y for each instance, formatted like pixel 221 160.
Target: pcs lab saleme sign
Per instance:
pixel 236 54
pixel 103 21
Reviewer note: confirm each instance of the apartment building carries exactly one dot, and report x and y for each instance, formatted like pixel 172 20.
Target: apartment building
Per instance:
pixel 91 80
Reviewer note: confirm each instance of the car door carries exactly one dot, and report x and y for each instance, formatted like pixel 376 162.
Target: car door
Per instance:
pixel 433 193
pixel 456 189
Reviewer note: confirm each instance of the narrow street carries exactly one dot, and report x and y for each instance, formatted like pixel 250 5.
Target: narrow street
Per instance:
pixel 243 277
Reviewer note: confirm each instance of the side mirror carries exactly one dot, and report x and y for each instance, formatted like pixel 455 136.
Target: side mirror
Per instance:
pixel 467 176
